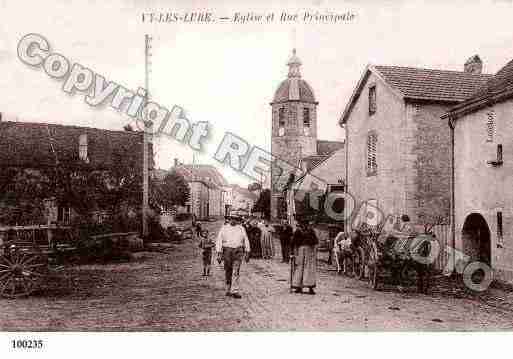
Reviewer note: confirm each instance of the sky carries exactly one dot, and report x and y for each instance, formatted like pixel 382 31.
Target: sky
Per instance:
pixel 226 73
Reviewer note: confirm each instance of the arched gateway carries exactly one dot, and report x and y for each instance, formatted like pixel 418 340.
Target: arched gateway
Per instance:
pixel 476 238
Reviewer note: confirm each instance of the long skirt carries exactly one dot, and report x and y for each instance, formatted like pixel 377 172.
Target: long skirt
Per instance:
pixel 305 267
pixel 268 247
pixel 256 248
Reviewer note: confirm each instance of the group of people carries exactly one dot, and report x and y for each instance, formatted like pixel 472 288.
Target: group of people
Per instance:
pixel 260 234
pixel 238 241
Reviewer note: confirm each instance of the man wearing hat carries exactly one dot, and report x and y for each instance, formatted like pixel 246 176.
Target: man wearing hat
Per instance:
pixel 232 246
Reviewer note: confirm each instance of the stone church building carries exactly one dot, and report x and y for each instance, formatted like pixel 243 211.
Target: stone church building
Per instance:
pixel 294 131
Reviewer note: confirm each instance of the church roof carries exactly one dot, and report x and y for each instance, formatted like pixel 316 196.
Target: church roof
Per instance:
pixel 294 88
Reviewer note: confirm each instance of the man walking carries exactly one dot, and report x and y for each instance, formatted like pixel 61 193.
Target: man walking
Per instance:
pixel 232 246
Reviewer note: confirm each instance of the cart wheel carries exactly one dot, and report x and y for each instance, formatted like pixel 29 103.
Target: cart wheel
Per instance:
pixel 358 264
pixel 409 275
pixel 21 273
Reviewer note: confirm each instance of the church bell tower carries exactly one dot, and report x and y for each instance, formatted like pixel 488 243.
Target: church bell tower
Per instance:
pixel 294 129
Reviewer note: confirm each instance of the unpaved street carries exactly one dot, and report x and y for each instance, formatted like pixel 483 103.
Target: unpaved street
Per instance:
pixel 164 291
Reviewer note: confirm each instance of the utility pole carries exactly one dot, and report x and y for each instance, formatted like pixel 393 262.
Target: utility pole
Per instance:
pixel 146 139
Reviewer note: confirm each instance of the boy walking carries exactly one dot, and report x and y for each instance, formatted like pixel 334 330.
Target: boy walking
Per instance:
pixel 206 244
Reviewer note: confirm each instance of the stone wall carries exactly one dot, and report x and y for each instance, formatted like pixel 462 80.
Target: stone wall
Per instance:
pixel 429 160
pixel 395 137
pixel 482 188
pixel 413 155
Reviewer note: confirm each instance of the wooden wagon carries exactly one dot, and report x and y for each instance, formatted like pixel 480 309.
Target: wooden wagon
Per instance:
pixel 29 254
pixel 399 258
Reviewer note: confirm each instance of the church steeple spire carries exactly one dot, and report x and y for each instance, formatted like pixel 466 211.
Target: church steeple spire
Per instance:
pixel 294 64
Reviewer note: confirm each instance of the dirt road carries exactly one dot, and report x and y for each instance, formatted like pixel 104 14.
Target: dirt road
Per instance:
pixel 166 292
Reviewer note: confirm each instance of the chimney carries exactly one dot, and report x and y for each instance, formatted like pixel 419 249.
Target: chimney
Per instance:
pixel 473 65
pixel 176 162
pixel 0 117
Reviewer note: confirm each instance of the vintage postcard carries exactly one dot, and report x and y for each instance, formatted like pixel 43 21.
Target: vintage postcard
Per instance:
pixel 256 166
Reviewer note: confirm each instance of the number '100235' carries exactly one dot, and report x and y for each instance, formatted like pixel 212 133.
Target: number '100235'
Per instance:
pixel 27 344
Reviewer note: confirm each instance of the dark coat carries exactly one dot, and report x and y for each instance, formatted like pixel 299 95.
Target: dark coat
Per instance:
pixel 304 237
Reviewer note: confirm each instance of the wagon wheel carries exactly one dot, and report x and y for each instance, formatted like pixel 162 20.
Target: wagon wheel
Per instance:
pixel 373 265
pixel 409 275
pixel 359 263
pixel 21 272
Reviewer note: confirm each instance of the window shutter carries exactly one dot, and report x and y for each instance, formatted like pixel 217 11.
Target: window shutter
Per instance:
pixel 372 100
pixel 372 163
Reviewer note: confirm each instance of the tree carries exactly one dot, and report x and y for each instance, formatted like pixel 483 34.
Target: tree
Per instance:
pixel 263 204
pixel 172 191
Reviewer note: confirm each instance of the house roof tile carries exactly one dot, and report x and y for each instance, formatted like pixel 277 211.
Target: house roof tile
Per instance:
pixel 207 174
pixel 435 85
pixel 496 89
pixel 27 144
pixel 421 84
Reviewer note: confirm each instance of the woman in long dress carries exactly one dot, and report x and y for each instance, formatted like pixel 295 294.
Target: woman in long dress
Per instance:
pixel 305 243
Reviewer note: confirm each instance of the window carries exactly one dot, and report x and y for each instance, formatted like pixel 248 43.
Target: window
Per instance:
pixel 64 215
pixel 281 121
pixel 372 99
pixel 306 121
pixel 490 126
pixel 499 226
pixel 82 148
pixel 372 163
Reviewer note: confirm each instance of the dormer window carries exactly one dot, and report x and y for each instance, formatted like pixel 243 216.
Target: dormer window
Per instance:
pixel 281 121
pixel 372 100
pixel 82 148
pixel 306 121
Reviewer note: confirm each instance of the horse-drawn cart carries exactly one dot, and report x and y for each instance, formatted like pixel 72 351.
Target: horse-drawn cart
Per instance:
pixel 397 257
pixel 28 256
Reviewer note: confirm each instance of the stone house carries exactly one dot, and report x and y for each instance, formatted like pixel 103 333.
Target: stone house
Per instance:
pixel 482 133
pixel 242 199
pixel 397 148
pixel 324 173
pixel 207 186
pixel 39 147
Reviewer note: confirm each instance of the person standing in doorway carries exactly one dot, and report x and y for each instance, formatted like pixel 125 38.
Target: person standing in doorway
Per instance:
pixel 305 243
pixel 232 246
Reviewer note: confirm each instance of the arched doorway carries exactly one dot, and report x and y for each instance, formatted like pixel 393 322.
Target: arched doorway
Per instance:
pixel 476 238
